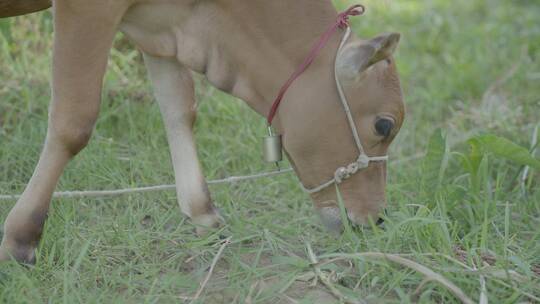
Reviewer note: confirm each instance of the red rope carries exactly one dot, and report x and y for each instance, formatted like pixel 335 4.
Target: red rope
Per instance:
pixel 341 22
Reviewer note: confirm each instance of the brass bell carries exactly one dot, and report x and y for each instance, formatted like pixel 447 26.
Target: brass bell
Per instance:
pixel 272 147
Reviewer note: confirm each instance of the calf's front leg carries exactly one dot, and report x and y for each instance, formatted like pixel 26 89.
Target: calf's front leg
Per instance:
pixel 83 36
pixel 174 91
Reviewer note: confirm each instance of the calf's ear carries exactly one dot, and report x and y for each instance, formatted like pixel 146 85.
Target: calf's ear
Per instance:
pixel 356 57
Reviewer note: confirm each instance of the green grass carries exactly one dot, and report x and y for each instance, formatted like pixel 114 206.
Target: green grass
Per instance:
pixel 139 248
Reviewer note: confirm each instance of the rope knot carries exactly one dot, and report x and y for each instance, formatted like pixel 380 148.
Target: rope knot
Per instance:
pixel 341 174
pixel 362 161
pixel 355 10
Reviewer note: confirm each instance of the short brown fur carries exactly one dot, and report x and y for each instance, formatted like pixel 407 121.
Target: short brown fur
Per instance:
pixel 247 48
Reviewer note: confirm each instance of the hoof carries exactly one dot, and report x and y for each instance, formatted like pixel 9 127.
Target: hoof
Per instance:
pixel 11 251
pixel 207 222
pixel 21 254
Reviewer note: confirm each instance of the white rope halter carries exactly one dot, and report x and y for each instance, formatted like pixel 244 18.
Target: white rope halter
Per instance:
pixel 363 160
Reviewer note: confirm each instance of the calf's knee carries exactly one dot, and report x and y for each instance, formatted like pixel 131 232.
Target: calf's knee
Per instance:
pixel 73 135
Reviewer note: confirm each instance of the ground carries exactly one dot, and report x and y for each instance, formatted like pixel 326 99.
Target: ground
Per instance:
pixel 468 68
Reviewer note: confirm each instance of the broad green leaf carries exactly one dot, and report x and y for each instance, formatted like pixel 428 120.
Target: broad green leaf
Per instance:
pixel 503 148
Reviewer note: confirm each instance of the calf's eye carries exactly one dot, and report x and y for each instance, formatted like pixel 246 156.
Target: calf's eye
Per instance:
pixel 384 126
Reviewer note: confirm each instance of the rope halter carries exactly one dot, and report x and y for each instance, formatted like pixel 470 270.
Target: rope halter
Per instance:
pixel 363 161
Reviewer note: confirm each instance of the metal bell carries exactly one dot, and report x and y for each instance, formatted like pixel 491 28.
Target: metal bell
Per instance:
pixel 272 147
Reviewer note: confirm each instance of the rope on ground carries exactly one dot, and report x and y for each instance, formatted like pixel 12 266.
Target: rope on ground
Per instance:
pixel 112 193
pixel 157 188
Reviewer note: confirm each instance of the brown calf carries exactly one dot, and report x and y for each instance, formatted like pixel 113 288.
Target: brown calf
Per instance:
pixel 247 48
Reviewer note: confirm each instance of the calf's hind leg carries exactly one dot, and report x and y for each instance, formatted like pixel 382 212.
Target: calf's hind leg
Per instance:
pixel 174 91
pixel 83 36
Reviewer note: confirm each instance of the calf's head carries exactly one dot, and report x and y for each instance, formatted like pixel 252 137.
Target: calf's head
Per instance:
pixel 320 140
